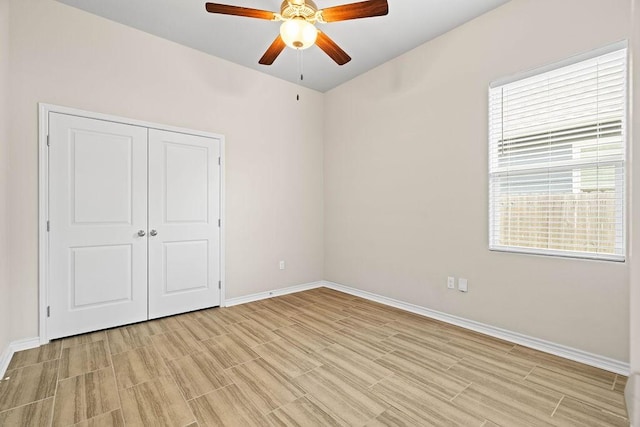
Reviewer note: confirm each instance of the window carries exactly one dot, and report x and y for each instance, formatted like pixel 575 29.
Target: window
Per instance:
pixel 557 160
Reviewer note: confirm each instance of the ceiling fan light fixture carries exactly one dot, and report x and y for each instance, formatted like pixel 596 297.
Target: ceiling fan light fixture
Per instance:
pixel 298 33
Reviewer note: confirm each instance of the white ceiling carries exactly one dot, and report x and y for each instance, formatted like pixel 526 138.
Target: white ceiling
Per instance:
pixel 370 42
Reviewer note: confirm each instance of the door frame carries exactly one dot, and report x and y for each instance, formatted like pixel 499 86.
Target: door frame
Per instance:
pixel 43 196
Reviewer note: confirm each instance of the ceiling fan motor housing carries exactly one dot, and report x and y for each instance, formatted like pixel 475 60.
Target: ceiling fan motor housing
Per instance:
pixel 298 8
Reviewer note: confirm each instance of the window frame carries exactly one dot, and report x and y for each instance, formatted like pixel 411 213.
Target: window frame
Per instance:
pixel 623 187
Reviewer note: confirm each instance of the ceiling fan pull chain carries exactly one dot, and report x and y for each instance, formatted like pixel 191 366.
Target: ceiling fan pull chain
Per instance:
pixel 299 61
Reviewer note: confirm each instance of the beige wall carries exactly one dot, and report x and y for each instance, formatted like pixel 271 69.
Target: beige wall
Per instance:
pixel 635 187
pixel 391 188
pixel 406 181
pixel 5 298
pixel 61 55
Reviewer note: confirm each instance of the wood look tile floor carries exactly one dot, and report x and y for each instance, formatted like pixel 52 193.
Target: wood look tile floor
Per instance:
pixel 316 358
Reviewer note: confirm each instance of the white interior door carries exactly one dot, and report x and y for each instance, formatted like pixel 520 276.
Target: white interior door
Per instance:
pixel 97 205
pixel 184 236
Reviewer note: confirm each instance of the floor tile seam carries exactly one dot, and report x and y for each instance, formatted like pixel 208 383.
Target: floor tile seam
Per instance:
pixel 370 388
pixel 515 347
pixel 26 404
pixel 551 367
pixel 115 380
pixel 599 387
pixel 461 391
pixel 498 374
pixel 162 360
pixel 63 348
pixel 207 392
pixel 271 411
pixel 557 405
pixel 596 407
pixel 393 371
pixel 96 416
pixel 573 395
pixel 131 350
pixel 184 399
pixel 392 405
pixel 530 387
pixel 84 373
pixel 530 372
pixel 264 342
pixel 615 381
pixel 346 372
pixel 293 379
pixel 246 321
pixel 390 402
pixel 577 376
pixel 429 384
pixel 55 392
pixel 9 368
pixel 171 331
pixel 225 370
pixel 427 366
pixel 610 413
pixel 411 353
pixel 28 366
pixel 312 358
pixel 535 412
pixel 316 401
pixel 213 391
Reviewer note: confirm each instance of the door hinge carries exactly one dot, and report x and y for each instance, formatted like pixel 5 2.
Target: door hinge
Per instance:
pixel 219 284
pixel 48 311
pixel 218 223
pixel 48 140
pixel 48 225
pixel 219 161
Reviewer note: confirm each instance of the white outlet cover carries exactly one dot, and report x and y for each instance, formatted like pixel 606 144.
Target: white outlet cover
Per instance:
pixel 451 282
pixel 462 285
pixel 281 265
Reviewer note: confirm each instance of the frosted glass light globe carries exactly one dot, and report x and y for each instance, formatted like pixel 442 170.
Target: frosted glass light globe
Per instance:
pixel 297 33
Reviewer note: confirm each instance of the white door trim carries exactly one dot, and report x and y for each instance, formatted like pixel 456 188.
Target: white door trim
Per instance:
pixel 43 196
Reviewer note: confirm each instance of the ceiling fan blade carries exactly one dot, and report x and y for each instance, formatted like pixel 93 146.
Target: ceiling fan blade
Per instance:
pixel 239 11
pixel 363 9
pixel 273 51
pixel 332 49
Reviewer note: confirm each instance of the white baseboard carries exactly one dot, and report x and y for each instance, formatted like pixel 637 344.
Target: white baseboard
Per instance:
pixel 574 354
pixel 587 358
pixel 273 293
pixel 15 346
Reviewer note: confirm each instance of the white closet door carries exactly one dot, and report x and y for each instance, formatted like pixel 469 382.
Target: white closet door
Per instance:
pixel 97 205
pixel 184 237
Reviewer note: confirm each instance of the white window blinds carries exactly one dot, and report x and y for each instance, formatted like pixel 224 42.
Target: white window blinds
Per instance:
pixel 557 160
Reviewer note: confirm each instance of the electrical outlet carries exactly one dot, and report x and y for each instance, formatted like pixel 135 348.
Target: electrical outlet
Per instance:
pixel 451 282
pixel 463 285
pixel 281 265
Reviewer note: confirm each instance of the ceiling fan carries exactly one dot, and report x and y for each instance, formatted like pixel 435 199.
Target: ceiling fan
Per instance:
pixel 298 29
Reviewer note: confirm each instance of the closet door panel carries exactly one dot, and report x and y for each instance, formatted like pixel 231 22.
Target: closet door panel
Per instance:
pixel 184 208
pixel 97 205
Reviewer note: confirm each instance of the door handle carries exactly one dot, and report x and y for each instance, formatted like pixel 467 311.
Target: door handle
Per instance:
pixel 153 232
pixel 141 233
